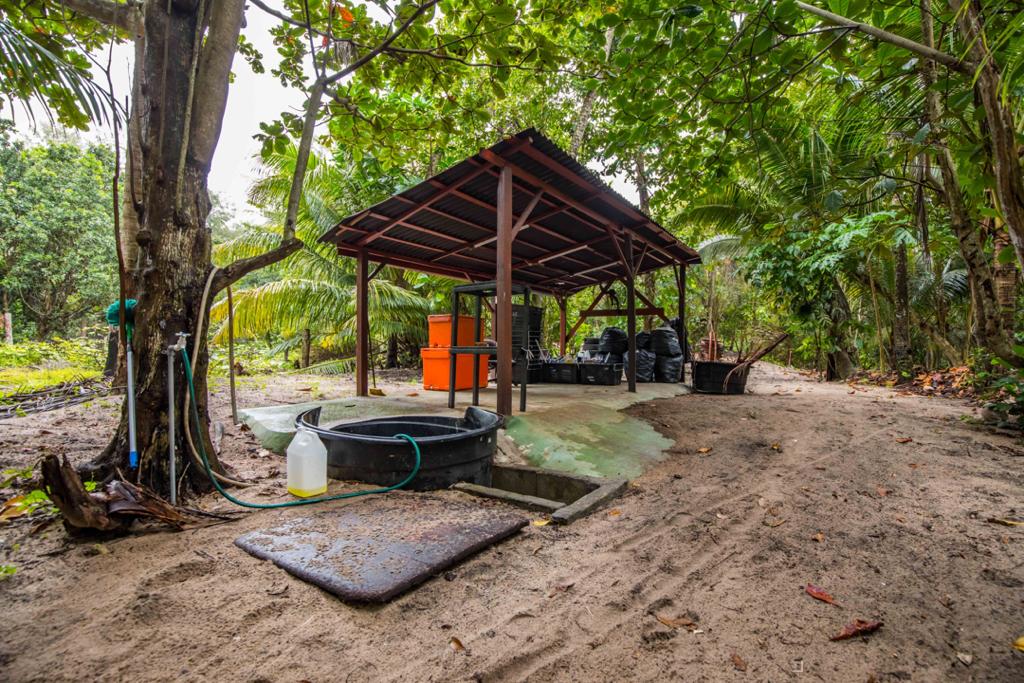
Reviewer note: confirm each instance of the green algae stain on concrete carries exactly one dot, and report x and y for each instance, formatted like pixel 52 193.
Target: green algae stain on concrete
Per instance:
pixel 607 443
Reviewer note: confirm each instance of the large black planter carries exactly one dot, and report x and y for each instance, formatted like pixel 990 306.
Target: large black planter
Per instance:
pixel 452 449
pixel 709 377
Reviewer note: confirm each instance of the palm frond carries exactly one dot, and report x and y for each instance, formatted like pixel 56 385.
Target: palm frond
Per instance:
pixel 33 72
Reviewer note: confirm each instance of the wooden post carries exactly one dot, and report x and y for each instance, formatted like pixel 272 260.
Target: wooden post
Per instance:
pixel 477 329
pixel 453 359
pixel 231 356
pixel 503 304
pixel 562 340
pixel 524 380
pixel 681 284
pixel 631 313
pixel 362 324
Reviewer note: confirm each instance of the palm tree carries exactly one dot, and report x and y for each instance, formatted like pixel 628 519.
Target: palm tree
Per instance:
pixel 310 298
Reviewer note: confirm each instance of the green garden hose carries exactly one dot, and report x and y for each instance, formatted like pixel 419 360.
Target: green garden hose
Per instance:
pixel 291 503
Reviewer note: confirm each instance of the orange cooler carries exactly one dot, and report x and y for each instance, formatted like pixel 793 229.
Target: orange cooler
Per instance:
pixel 440 332
pixel 435 367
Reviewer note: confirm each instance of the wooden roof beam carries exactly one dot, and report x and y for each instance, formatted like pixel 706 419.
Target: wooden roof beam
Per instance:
pixel 558 194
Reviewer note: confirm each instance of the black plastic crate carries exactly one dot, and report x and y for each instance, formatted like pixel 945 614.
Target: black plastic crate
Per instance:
pixel 535 373
pixel 609 374
pixel 561 373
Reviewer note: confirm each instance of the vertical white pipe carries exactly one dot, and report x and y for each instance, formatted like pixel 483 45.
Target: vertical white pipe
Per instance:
pixel 133 453
pixel 172 464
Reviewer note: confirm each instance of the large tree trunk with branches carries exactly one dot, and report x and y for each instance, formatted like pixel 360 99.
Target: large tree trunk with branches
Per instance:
pixel 184 51
pixel 181 89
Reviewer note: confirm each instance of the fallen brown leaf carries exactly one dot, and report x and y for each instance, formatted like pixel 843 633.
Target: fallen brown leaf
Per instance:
pixel 1004 522
pixel 858 627
pixel 704 450
pixel 882 492
pixel 819 593
pixel 904 439
pixel 819 537
pixel 738 662
pixel 676 622
pixel 13 508
pixel 456 645
pixel 776 447
pixel 563 588
pixel 614 512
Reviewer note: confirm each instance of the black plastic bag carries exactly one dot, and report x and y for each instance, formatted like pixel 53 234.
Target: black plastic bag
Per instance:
pixel 665 342
pixel 613 340
pixel 668 368
pixel 643 340
pixel 645 362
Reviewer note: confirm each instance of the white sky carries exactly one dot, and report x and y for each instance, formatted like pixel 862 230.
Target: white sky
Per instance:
pixel 252 99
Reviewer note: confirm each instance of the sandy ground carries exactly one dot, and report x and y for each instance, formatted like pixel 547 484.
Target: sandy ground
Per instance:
pixel 696 574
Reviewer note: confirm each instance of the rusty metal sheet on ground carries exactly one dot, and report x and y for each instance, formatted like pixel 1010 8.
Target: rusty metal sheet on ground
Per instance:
pixel 373 550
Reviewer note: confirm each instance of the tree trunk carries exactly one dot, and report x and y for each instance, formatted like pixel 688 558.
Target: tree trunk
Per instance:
pixel 8 322
pixel 901 359
pixel 1002 139
pixel 878 321
pixel 579 131
pixel 305 348
pixel 177 117
pixel 391 360
pixel 839 362
pixel 989 331
pixel 1005 277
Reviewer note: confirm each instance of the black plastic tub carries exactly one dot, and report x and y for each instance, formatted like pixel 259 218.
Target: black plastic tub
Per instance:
pixel 452 449
pixel 709 377
pixel 560 373
pixel 608 374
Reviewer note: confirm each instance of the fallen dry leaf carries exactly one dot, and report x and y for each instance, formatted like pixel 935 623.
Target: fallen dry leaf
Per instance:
pixel 882 492
pixel 677 622
pixel 991 520
pixel 1019 644
pixel 456 645
pixel 540 522
pixel 858 627
pixel 738 662
pixel 819 593
pixel 776 447
pixel 819 537
pixel 704 450
pixel 904 439
pixel 614 512
pixel 413 393
pixel 563 588
pixel 965 658
pixel 915 465
pixel 13 508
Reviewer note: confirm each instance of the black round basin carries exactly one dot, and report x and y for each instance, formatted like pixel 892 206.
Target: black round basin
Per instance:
pixel 452 449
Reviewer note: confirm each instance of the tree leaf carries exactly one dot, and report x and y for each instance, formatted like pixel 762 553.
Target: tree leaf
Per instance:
pixel 819 593
pixel 858 627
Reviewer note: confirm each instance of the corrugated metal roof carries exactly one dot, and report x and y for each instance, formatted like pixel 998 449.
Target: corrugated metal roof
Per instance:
pixel 438 225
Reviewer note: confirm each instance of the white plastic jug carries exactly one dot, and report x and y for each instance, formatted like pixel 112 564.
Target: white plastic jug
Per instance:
pixel 307 465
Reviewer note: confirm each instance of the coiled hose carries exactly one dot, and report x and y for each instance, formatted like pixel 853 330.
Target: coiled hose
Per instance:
pixel 290 503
